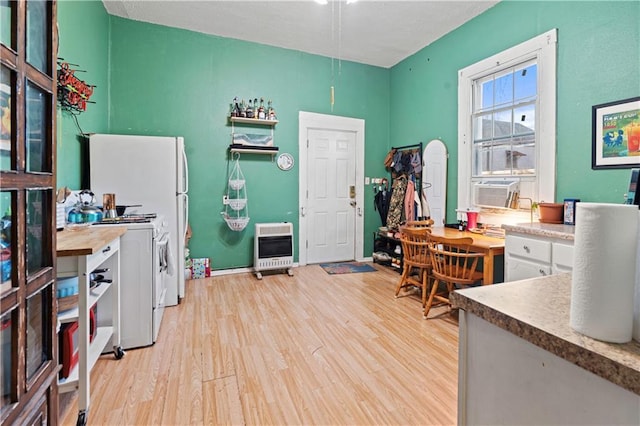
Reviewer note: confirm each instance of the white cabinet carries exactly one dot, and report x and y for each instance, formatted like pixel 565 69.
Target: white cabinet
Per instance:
pixel 529 255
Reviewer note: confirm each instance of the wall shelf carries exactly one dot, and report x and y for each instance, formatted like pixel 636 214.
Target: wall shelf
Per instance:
pixel 250 150
pixel 253 121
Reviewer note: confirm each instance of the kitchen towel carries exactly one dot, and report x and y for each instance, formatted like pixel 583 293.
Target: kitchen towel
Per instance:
pixel 636 309
pixel 604 269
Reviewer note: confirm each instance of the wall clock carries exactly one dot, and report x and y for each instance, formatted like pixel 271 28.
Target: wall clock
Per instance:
pixel 285 161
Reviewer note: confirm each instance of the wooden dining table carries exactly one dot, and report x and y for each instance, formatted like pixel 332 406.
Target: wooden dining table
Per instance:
pixel 490 246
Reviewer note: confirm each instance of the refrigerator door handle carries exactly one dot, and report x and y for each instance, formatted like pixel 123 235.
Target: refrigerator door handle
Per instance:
pixel 186 215
pixel 185 170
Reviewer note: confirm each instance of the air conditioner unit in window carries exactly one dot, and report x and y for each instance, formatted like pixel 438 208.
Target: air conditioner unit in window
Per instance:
pixel 273 247
pixel 494 193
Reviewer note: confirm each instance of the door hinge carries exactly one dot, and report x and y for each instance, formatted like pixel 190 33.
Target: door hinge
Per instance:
pixel 307 244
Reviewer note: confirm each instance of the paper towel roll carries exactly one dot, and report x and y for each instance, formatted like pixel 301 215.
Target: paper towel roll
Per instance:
pixel 636 309
pixel 604 269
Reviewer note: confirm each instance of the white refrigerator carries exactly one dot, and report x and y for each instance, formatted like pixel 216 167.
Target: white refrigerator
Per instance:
pixel 152 171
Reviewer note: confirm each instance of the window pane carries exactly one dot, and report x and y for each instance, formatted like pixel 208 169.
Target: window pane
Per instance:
pixel 524 155
pixel 36 129
pixel 37 31
pixel 36 332
pixel 524 119
pixel 482 127
pixel 526 82
pixel 7 244
pixel 6 117
pixel 36 226
pixel 483 94
pixel 504 88
pixel 7 361
pixel 6 29
pixel 502 124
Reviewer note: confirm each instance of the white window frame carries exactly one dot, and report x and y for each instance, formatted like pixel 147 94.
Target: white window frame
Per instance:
pixel 543 49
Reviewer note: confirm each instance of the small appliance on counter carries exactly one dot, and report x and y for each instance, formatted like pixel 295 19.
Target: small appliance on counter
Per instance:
pixel 85 211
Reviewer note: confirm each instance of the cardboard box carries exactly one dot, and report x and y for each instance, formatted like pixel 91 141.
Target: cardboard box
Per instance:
pixel 200 268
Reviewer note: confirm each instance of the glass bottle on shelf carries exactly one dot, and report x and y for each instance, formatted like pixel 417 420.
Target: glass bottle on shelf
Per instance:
pixel 243 109
pixel 234 108
pixel 261 113
pixel 272 112
pixel 250 110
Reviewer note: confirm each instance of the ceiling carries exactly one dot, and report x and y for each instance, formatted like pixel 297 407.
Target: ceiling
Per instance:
pixel 373 32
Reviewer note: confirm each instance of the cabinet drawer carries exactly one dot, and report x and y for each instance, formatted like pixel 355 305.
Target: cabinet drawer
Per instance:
pixel 528 248
pixel 563 255
pixel 517 269
pixel 68 265
pixel 96 259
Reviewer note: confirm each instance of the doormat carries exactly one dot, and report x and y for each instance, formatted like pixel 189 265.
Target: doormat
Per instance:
pixel 346 267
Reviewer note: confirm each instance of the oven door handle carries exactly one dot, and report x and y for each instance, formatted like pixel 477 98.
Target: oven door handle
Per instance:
pixel 162 247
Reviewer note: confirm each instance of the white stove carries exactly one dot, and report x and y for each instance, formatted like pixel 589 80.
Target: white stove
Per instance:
pixel 145 260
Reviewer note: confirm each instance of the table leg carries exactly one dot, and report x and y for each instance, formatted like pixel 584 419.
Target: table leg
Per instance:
pixel 487 269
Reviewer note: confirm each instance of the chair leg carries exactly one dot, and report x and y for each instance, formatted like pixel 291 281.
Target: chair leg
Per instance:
pixel 425 287
pixel 405 274
pixel 434 289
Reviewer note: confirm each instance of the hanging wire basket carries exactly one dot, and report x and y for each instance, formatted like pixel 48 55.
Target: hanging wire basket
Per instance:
pixel 236 211
pixel 237 204
pixel 236 184
pixel 236 223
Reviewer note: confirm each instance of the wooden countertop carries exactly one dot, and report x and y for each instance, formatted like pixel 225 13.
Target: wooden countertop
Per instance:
pixel 86 241
pixel 537 310
pixel 549 230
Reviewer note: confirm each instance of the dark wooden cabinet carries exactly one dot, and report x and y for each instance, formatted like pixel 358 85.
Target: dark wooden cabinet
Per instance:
pixel 28 378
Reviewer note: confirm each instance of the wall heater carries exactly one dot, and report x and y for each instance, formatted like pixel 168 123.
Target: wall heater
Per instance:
pixel 273 247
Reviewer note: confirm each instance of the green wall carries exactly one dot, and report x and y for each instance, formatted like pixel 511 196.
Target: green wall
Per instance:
pixel 168 81
pixel 83 40
pixel 598 62
pixel 162 81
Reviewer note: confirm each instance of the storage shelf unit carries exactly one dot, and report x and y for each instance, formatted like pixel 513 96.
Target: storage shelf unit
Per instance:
pixel 100 341
pixel 72 315
pixel 251 149
pixel 384 243
pixel 78 253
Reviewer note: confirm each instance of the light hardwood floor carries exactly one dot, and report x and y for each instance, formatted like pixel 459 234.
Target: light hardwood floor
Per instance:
pixel 310 349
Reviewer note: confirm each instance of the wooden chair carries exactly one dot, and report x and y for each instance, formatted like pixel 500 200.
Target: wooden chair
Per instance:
pixel 415 257
pixel 425 223
pixel 453 264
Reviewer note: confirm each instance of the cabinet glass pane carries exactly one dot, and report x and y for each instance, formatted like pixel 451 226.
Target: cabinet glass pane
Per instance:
pixel 6 9
pixel 38 28
pixel 7 245
pixel 6 114
pixel 37 217
pixel 36 332
pixel 36 129
pixel 7 360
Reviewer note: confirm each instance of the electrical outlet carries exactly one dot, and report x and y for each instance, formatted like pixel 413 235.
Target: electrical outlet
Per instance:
pixel 366 180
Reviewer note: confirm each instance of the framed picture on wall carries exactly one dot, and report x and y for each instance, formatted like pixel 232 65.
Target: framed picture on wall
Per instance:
pixel 616 134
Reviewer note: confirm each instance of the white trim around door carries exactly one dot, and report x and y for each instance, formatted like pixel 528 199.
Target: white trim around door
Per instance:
pixel 310 120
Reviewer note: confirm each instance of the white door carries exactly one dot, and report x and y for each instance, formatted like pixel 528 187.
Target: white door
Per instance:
pixel 331 202
pixel 331 190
